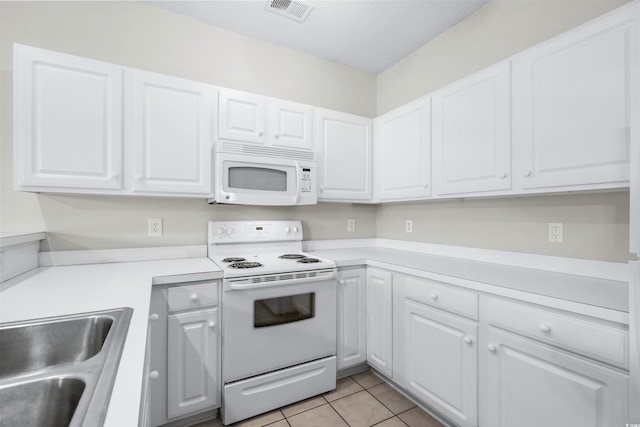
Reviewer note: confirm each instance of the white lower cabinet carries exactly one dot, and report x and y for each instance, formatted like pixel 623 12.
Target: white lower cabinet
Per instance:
pixel 379 320
pixel 184 369
pixel 191 373
pixel 542 368
pixel 435 350
pixel 352 320
pixel 441 361
pixel 531 384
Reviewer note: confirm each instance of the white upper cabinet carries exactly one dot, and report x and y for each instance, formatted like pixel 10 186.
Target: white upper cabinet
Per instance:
pixel 402 166
pixel 571 100
pixel 171 134
pixel 291 124
pixel 67 122
pixel 472 133
pixel 258 119
pixel 242 116
pixel 344 145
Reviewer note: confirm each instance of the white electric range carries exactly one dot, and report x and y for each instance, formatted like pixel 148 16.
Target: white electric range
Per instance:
pixel 278 316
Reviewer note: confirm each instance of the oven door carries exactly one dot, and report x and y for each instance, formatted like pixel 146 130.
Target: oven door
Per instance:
pixel 275 326
pixel 255 180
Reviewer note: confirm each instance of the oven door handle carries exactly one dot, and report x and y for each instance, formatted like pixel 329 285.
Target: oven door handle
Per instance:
pixel 262 285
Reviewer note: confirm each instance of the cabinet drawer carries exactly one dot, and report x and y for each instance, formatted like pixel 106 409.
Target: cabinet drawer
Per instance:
pixel 589 338
pixel 440 295
pixel 192 296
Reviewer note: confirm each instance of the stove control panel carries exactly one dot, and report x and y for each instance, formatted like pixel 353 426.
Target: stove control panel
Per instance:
pixel 254 231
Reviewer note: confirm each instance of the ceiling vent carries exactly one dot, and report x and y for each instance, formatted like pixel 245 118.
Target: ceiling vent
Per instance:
pixel 292 9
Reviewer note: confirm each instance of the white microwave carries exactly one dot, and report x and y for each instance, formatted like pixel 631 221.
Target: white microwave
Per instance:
pixel 265 177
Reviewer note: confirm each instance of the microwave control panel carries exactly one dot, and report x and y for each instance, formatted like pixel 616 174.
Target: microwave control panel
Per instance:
pixel 305 185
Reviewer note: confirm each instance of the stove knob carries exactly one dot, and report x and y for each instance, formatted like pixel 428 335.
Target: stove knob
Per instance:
pixel 287 229
pixel 295 229
pixel 219 231
pixel 229 230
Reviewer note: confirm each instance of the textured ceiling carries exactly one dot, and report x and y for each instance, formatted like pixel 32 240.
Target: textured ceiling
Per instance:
pixel 368 35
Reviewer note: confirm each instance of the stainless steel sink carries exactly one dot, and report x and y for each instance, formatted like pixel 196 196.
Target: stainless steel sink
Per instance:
pixel 51 402
pixel 59 371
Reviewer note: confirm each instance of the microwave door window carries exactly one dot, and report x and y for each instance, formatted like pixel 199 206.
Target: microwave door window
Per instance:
pixel 254 178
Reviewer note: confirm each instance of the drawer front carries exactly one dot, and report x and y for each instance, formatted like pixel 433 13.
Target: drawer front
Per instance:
pixel 192 296
pixel 440 295
pixel 256 395
pixel 589 338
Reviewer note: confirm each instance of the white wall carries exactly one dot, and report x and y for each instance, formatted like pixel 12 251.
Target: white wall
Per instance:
pixel 142 36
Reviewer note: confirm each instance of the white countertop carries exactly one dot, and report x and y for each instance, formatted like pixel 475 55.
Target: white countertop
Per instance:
pixel 60 290
pixel 490 277
pixel 54 291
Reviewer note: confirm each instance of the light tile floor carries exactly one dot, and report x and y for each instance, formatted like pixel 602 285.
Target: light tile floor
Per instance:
pixel 361 400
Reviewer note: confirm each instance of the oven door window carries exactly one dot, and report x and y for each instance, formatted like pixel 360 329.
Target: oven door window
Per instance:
pixel 282 310
pixel 257 178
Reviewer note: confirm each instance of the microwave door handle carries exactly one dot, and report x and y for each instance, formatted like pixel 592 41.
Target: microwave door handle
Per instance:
pixel 298 183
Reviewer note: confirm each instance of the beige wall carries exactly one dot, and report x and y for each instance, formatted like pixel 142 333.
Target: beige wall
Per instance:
pixel 495 32
pixel 149 38
pixel 141 36
pixel 596 226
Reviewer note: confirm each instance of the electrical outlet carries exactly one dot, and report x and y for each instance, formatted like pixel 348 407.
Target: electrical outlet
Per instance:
pixel 155 227
pixel 408 226
pixel 351 225
pixel 555 232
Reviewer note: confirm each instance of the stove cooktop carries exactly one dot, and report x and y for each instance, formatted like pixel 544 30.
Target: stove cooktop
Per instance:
pixel 270 263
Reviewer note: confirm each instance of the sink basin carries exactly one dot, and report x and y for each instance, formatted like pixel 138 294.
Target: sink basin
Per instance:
pixel 59 371
pixel 28 348
pixel 47 402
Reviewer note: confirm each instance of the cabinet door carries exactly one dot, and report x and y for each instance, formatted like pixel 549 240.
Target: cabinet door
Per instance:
pixel 291 125
pixel 403 152
pixel 68 122
pixel 472 133
pixel 345 156
pixel 192 361
pixel 171 131
pixel 379 320
pixel 530 384
pixel 241 116
pixel 352 329
pixel 571 99
pixel 441 361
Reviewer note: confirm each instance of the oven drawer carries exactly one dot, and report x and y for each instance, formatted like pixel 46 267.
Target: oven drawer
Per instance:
pixel 192 296
pixel 246 398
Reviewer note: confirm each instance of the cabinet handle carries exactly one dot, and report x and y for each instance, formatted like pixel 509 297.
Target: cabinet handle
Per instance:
pixel 526 173
pixel 276 136
pixel 492 348
pixel 321 189
pixel 153 375
pixel 261 134
pixel 468 340
pixel 212 324
pixel 503 175
pixel 545 328
pixel 153 317
pixel 194 297
pixel 434 297
pixel 342 282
